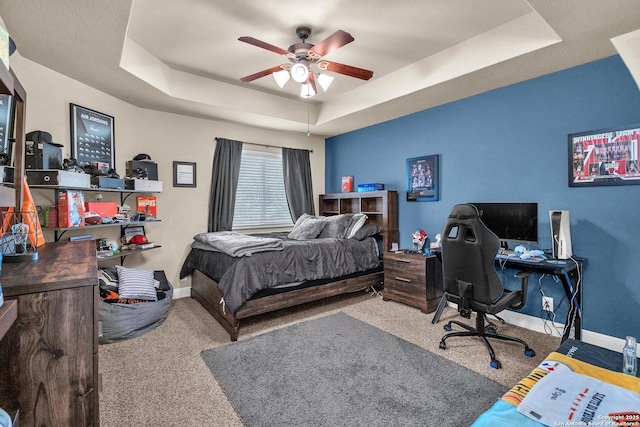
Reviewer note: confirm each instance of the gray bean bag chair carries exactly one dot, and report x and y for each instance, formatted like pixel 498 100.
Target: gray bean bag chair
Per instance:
pixel 124 321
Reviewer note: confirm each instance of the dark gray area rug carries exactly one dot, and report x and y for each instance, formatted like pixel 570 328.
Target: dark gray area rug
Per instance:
pixel 340 371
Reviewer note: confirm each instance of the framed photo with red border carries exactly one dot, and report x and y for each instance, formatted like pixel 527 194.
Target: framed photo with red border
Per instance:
pixel 604 157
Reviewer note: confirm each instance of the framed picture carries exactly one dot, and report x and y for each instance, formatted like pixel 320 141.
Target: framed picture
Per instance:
pixel 129 232
pixel 423 178
pixel 6 103
pixel 92 138
pixel 604 157
pixel 184 174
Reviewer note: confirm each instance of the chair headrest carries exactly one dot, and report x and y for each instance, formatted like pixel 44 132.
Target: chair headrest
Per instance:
pixel 464 211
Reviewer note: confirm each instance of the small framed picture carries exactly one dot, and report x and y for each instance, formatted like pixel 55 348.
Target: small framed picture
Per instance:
pixel 184 174
pixel 131 231
pixel 92 137
pixel 423 179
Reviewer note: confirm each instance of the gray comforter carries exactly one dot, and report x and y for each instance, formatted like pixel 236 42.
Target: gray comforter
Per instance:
pixel 239 278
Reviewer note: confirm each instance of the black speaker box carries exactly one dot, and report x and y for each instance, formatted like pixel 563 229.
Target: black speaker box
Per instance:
pixel 41 155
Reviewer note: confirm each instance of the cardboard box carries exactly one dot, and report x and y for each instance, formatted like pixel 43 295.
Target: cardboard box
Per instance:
pixel 104 209
pixel 103 182
pixel 58 178
pixel 51 220
pixel 70 208
pixel 347 184
pixel 370 187
pixel 143 185
pixel 146 204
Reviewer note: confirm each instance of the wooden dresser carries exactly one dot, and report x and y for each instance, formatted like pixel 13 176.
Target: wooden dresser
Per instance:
pixel 413 279
pixel 49 357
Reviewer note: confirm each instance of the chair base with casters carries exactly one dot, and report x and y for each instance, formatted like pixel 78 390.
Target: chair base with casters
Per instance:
pixel 483 330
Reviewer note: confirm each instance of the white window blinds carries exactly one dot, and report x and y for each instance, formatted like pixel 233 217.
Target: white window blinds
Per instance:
pixel 261 200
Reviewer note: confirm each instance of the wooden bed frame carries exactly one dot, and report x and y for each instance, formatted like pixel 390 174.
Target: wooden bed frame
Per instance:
pixel 205 291
pixel 381 208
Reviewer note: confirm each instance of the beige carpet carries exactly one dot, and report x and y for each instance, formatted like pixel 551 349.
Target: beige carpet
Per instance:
pixel 160 378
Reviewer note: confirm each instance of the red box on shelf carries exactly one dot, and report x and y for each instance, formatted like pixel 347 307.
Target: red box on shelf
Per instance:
pixel 347 184
pixel 147 205
pixel 104 209
pixel 70 208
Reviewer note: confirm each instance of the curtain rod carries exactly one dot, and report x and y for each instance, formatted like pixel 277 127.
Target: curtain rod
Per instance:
pixel 270 146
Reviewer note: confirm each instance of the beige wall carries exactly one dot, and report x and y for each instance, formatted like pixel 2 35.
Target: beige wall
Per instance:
pixel 165 137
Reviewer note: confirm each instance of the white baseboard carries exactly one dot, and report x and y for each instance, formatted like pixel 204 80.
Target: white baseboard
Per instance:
pixel 181 292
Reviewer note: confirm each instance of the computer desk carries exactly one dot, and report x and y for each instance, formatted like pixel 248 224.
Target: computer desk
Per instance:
pixel 569 272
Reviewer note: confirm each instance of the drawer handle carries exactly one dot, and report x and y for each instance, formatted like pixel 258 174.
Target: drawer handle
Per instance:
pixel 402 279
pixel 406 261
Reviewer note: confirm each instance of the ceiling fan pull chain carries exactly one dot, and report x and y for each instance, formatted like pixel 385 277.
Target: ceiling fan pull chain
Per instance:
pixel 308 125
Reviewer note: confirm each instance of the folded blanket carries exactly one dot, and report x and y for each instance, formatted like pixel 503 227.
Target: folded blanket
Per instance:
pixel 507 411
pixel 563 397
pixel 238 245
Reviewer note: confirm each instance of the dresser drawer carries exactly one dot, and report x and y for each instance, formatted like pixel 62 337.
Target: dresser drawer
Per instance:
pixel 412 279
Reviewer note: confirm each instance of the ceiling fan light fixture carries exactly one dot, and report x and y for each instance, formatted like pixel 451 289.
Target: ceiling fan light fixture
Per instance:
pixel 306 90
pixel 281 77
pixel 299 72
pixel 325 81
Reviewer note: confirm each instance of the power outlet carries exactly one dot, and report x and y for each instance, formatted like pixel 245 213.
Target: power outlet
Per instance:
pixel 547 304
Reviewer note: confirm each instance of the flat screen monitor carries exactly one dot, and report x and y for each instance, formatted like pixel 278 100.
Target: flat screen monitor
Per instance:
pixel 511 222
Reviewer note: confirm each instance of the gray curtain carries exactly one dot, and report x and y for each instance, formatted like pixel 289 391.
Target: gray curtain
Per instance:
pixel 296 169
pixel 224 184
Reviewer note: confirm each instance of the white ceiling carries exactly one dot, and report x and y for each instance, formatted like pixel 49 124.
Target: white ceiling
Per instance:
pixel 184 56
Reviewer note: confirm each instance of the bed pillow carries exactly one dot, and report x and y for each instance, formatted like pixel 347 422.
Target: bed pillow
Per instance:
pixel 302 218
pixel 337 226
pixel 310 228
pixel 136 283
pixel 356 224
pixel 367 230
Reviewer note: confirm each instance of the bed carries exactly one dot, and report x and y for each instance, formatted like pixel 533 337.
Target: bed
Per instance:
pixel 236 276
pixel 578 384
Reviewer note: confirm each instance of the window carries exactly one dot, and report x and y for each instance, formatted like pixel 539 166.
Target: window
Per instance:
pixel 261 201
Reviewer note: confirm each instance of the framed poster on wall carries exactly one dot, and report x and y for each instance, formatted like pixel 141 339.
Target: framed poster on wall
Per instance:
pixel 92 138
pixel 423 179
pixel 604 157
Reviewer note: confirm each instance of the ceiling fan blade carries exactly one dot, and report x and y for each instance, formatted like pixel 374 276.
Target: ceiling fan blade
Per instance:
pixel 347 70
pixel 265 45
pixel 263 73
pixel 331 43
pixel 312 81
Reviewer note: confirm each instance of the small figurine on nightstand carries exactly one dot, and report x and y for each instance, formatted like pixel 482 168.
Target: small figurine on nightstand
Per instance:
pixel 419 239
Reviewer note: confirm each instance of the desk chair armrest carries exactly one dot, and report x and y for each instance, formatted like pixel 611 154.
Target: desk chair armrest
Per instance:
pixel 524 284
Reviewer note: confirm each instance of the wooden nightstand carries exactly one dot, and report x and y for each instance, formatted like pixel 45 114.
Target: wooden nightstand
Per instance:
pixel 413 279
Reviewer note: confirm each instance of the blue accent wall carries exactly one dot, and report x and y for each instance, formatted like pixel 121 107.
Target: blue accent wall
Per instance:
pixel 511 145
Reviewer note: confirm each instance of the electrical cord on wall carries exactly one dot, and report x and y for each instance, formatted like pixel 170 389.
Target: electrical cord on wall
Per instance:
pixel 548 314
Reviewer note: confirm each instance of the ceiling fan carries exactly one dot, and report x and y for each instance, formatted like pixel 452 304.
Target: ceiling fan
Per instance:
pixel 302 55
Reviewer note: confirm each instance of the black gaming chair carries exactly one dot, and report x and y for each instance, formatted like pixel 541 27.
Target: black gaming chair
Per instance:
pixel 469 249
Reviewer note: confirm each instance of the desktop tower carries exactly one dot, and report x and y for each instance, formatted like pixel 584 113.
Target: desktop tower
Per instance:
pixel 560 234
